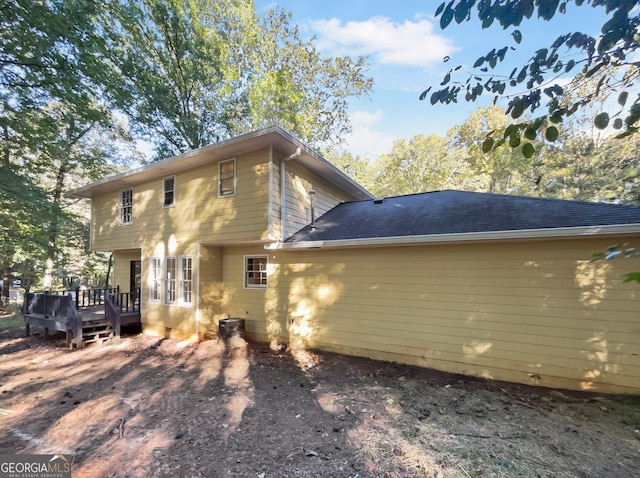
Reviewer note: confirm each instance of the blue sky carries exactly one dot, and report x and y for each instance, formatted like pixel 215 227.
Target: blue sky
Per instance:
pixel 406 48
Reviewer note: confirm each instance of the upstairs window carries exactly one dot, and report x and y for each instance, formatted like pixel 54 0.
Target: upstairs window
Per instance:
pixel 227 178
pixel 255 272
pixel 126 207
pixel 169 191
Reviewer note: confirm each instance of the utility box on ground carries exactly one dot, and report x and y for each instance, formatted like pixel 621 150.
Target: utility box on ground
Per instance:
pixel 228 328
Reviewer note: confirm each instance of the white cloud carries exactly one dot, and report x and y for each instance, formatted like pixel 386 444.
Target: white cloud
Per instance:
pixel 407 44
pixel 365 141
pixel 364 118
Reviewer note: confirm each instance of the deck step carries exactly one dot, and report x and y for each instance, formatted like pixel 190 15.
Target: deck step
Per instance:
pixel 96 340
pixel 101 334
pixel 96 323
pixel 96 329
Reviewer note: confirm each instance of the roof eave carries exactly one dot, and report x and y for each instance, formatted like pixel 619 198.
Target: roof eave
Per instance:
pixel 487 236
pixel 272 135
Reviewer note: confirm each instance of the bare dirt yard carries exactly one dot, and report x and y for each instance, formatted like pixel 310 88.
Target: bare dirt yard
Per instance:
pixel 150 407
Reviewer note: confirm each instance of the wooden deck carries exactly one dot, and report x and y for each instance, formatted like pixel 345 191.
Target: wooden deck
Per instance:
pixel 93 323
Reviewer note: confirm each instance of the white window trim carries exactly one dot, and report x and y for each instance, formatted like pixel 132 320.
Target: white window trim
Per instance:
pixel 164 191
pixel 181 280
pixel 152 282
pixel 121 207
pixel 245 272
pixel 165 281
pixel 235 177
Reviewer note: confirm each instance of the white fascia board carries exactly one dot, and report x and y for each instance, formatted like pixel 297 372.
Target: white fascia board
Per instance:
pixel 551 233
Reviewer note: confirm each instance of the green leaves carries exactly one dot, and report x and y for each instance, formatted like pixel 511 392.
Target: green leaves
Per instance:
pixel 423 163
pixel 196 71
pixel 606 60
pixel 518 109
pixel 530 134
pixel 601 121
pixel 55 131
pixel 620 251
pixel 517 36
pixel 447 16
pixel 487 145
pixel 547 8
pixel 551 134
pixel 632 277
pixel 622 98
pixel 528 150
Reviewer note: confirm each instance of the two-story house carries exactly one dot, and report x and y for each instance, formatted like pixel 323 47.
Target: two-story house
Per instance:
pixel 262 228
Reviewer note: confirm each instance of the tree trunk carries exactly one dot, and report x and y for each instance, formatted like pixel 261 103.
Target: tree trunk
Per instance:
pixel 72 137
pixel 56 209
pixel 6 278
pixel 110 264
pixel 5 270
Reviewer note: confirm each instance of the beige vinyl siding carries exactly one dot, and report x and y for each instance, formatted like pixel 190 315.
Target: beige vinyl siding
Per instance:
pixel 106 232
pixel 214 295
pixel 198 215
pixel 299 182
pixel 162 319
pixel 256 306
pixel 531 312
pixel 122 268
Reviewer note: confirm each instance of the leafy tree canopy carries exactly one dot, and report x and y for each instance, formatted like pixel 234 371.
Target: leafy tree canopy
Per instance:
pixel 55 130
pixel 608 59
pixel 192 72
pixel 424 163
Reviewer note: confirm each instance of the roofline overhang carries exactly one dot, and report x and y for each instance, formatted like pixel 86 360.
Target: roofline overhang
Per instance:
pixel 262 138
pixel 467 237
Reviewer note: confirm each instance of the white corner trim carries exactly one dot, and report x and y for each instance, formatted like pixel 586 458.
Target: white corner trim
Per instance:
pixel 197 289
pixel 270 234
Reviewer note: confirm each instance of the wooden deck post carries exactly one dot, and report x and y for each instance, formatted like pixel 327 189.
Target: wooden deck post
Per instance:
pixel 118 324
pixel 79 341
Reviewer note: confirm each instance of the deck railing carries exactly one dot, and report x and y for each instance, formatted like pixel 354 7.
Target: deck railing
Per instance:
pixel 113 313
pixel 129 302
pixel 44 308
pixel 118 303
pixel 52 306
pixel 87 297
pixel 46 304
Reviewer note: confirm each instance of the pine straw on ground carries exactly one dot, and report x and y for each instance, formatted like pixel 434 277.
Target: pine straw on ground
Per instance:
pixel 418 422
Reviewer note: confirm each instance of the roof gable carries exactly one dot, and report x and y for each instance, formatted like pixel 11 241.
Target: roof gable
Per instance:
pixel 273 136
pixel 458 212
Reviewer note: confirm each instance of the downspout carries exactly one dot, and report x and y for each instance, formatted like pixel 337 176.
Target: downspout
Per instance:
pixel 312 195
pixel 270 212
pixel 283 193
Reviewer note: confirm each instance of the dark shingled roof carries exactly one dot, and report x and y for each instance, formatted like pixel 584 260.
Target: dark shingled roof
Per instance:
pixel 451 212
